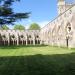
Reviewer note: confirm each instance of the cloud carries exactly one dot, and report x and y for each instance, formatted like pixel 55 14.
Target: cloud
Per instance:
pixel 30 21
pixel 43 23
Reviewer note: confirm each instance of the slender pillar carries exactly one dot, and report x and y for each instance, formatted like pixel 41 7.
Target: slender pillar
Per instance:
pixel 26 42
pixel 8 40
pixel 22 41
pixel 40 42
pixel 4 42
pixel 30 41
pixel 13 42
pixel 17 39
pixel 33 40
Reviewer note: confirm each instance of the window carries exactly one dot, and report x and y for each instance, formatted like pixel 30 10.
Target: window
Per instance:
pixel 70 11
pixel 29 36
pixel 37 36
pixel 68 27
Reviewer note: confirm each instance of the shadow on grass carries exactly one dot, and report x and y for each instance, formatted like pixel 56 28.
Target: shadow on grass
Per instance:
pixel 63 64
pixel 20 46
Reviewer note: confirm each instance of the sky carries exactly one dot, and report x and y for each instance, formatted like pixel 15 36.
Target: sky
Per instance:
pixel 42 11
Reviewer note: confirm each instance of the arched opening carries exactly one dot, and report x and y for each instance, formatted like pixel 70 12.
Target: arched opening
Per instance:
pixel 68 30
pixel 4 39
pixel 12 39
pixel 21 39
pixel 68 27
pixel 0 39
pixel 37 41
pixel 29 39
pixel 67 41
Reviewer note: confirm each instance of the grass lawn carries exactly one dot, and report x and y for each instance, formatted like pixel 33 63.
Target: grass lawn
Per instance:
pixel 36 60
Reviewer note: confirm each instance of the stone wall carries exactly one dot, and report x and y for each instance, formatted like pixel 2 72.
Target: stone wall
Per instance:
pixel 17 37
pixel 61 30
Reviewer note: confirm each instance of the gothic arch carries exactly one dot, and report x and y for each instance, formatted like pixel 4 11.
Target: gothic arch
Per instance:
pixel 59 32
pixel 73 21
pixel 68 30
pixel 68 27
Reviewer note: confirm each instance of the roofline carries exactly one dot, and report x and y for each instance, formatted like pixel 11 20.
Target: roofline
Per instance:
pixel 58 16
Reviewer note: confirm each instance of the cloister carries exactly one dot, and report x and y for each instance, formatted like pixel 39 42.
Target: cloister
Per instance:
pixel 58 32
pixel 19 37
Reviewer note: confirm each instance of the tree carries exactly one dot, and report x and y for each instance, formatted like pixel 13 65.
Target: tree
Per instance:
pixel 34 26
pixel 19 27
pixel 4 27
pixel 7 15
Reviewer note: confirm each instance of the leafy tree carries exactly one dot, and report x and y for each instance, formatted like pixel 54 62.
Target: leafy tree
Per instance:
pixel 34 26
pixel 7 15
pixel 4 27
pixel 19 27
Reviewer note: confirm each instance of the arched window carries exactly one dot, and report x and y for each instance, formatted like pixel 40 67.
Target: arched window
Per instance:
pixel 21 36
pixel 68 27
pixel 29 36
pixel 3 36
pixel 37 36
pixel 12 36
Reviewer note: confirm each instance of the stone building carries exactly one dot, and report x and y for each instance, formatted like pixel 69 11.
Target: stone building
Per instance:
pixel 58 32
pixel 17 37
pixel 61 30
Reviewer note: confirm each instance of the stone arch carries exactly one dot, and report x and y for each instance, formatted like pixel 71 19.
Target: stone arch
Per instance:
pixel 68 27
pixel 60 37
pixel 59 33
pixel 29 39
pixel 13 39
pixel 37 40
pixel 4 39
pixel 54 35
pixel 72 20
pixel 21 41
pixel 68 30
pixel 22 38
pixel 0 39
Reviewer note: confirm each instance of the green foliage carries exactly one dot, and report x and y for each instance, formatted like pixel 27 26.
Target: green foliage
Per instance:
pixel 34 26
pixel 7 15
pixel 4 27
pixel 19 27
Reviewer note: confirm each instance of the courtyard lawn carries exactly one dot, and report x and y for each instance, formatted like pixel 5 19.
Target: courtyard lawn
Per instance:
pixel 36 60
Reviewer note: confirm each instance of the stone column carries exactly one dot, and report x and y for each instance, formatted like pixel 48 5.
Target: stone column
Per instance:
pixel 4 42
pixel 8 39
pixel 17 39
pixel 26 40
pixel 30 41
pixel 34 40
pixel 40 42
pixel 22 41
pixel 13 42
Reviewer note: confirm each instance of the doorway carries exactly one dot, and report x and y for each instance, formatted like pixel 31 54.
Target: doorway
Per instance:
pixel 67 41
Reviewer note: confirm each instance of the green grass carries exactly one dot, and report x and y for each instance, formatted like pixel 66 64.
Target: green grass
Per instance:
pixel 36 60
